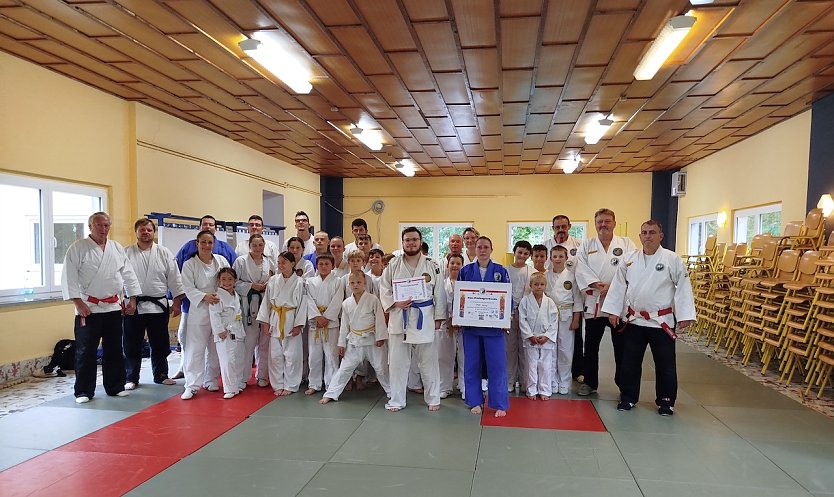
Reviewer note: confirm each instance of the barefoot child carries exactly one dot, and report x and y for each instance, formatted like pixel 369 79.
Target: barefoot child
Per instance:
pixel 563 290
pixel 282 314
pixel 362 336
pixel 325 294
pixel 449 338
pixel 228 333
pixel 539 322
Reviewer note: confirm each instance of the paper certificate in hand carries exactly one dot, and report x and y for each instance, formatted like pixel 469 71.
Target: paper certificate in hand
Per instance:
pixel 410 288
pixel 483 305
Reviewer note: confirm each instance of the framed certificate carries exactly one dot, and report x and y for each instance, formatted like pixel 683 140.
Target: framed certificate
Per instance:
pixel 481 304
pixel 410 288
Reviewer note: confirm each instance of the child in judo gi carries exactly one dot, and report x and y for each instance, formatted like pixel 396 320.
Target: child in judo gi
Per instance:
pixel 362 336
pixel 563 290
pixel 539 323
pixel 228 333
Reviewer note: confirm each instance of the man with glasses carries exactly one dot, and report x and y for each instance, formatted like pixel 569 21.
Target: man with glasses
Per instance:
pixel 256 227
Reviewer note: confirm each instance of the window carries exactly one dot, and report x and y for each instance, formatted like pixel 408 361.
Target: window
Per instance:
pixel 436 235
pixel 758 220
pixel 699 229
pixel 539 232
pixel 47 216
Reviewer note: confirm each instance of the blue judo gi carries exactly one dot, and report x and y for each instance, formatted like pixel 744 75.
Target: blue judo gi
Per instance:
pixel 488 344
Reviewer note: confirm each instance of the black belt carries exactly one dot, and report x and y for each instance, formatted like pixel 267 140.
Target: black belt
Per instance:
pixel 249 297
pixel 155 300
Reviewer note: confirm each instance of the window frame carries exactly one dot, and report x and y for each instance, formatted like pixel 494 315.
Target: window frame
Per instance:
pixel 50 289
pixel 548 229
pixel 434 247
pixel 700 220
pixel 757 211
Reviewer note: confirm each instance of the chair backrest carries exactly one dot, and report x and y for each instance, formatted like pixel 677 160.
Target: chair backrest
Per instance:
pixel 757 243
pixel 729 257
pixel 769 251
pixel 808 266
pixel 814 223
pixel 793 228
pixel 709 247
pixel 786 264
pixel 741 251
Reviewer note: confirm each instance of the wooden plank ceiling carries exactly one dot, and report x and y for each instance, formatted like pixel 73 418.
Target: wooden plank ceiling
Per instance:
pixel 461 87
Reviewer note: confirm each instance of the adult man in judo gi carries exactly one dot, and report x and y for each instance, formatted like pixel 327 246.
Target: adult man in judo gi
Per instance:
pixel 652 296
pixel 413 324
pixel 96 272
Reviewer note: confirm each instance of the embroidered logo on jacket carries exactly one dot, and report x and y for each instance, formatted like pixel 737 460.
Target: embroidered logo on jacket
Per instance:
pixel 497 276
pixel 615 261
pixel 659 267
pixel 573 251
pixel 618 251
pixel 568 285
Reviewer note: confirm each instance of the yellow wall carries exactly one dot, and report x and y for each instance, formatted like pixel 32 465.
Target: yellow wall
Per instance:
pixel 769 167
pixel 54 127
pixel 493 201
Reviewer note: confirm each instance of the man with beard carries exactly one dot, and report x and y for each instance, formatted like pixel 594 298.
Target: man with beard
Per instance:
pixel 597 261
pixel 412 324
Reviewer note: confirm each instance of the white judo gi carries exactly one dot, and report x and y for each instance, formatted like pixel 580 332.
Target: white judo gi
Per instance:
pixel 199 279
pixel 270 249
pixel 572 244
pixel 256 343
pixel 564 292
pixel 225 316
pixel 539 320
pixel 283 308
pixel 651 293
pixel 418 335
pixel 594 264
pixel 516 354
pixel 450 350
pixel 362 325
pixel 324 299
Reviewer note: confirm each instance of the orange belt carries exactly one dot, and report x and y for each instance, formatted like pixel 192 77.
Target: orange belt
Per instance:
pixel 319 329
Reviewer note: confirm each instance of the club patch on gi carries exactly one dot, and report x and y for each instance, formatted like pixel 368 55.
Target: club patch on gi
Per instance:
pixel 618 251
pixel 497 276
pixel 299 272
pixel 573 251
pixel 568 285
pixel 615 261
pixel 569 263
pixel 659 267
pixel 427 277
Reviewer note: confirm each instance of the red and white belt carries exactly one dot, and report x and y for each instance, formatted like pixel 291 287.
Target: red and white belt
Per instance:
pixel 631 315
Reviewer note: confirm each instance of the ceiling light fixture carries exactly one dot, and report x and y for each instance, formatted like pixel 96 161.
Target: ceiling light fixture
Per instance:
pixel 572 165
pixel 597 130
pixel 369 138
pixel 279 62
pixel 667 41
pixel 405 169
pixel 701 2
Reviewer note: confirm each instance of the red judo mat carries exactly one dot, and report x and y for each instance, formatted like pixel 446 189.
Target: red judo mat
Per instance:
pixel 121 456
pixel 553 414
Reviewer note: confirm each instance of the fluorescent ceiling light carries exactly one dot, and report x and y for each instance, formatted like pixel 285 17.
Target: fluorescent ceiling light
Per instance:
pixel 597 130
pixel 405 169
pixel 701 2
pixel 279 62
pixel 571 165
pixel 371 139
pixel 670 37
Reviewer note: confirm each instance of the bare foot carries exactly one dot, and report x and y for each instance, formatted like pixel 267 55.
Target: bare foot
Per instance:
pixel 360 383
pixel 349 386
pixel 476 410
pixel 283 393
pixel 325 400
pixel 416 390
pixel 531 397
pixel 435 407
pixel 310 391
pixel 393 409
pixel 500 414
pixel 544 397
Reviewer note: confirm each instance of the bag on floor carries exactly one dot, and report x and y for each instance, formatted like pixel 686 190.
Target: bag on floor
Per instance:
pixel 63 357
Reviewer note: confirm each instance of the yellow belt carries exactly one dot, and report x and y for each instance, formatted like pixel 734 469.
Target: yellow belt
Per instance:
pixel 319 329
pixel 282 316
pixel 563 307
pixel 362 332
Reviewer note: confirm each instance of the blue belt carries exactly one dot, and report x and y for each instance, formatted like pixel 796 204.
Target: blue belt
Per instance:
pixel 419 316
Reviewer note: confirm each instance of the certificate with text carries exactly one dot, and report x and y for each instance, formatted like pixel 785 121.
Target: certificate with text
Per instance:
pixel 481 304
pixel 410 288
